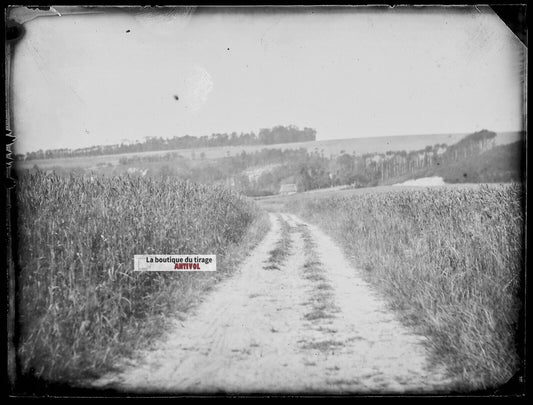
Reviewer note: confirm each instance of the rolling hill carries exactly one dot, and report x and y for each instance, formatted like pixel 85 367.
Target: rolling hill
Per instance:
pixel 327 147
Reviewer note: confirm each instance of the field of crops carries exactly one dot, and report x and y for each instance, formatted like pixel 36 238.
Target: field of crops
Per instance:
pixel 80 303
pixel 450 259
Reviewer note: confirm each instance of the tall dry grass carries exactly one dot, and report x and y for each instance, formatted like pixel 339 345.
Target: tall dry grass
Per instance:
pixel 450 259
pixel 81 305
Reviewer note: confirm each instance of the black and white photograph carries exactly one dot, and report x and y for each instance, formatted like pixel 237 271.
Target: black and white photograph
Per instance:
pixel 266 200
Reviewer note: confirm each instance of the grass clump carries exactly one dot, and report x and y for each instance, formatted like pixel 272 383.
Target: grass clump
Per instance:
pixel 281 251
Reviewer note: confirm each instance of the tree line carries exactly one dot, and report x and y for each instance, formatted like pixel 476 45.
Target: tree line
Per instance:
pixel 266 136
pixel 312 169
pixel 262 172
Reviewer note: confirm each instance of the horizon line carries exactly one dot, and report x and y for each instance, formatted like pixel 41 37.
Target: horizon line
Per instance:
pixel 303 142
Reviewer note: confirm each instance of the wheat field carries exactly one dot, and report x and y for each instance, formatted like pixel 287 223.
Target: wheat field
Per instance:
pixel 450 259
pixel 81 305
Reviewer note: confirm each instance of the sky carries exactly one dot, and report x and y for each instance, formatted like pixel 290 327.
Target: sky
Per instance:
pixel 82 80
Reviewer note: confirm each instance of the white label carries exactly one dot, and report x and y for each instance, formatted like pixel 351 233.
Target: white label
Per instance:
pixel 175 262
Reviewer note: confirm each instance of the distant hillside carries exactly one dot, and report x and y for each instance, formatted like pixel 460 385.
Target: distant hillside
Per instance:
pixel 483 156
pixel 329 148
pixel 500 164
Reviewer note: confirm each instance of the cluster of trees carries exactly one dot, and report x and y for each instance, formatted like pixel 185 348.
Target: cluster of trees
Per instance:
pixel 262 172
pixel 266 136
pixel 155 158
pixel 400 163
pixel 312 170
pixel 281 134
pixel 503 163
pixel 308 171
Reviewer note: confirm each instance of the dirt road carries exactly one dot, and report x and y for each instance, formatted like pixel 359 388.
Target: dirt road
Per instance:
pixel 296 318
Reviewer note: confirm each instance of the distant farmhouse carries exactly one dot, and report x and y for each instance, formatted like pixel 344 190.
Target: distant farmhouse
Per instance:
pixel 288 189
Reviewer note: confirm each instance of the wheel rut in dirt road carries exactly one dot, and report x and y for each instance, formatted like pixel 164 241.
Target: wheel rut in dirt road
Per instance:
pixel 295 318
